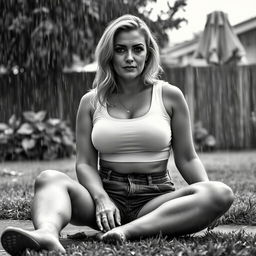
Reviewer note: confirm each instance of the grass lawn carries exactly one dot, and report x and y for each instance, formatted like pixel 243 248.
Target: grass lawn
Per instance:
pixel 236 169
pixel 211 244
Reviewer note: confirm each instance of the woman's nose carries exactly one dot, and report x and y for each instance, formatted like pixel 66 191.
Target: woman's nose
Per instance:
pixel 129 57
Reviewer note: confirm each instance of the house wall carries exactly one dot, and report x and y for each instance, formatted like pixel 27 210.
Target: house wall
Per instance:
pixel 248 39
pixel 183 56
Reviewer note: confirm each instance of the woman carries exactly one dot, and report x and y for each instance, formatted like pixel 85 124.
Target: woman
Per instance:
pixel 126 127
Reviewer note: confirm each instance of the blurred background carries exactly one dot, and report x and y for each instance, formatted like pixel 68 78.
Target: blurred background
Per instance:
pixel 47 63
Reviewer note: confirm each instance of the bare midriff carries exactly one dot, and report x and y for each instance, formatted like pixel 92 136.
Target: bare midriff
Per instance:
pixel 135 167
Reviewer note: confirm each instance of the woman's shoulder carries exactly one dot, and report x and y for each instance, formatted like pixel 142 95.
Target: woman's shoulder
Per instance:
pixel 88 96
pixel 88 100
pixel 171 96
pixel 170 91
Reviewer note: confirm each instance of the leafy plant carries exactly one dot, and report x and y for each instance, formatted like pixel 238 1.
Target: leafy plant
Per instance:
pixel 203 140
pixel 33 137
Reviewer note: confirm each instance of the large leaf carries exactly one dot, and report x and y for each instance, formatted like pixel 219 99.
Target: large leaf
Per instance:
pixel 56 139
pixel 3 127
pixel 34 117
pixel 25 129
pixel 53 121
pixel 9 131
pixel 28 144
pixel 40 126
pixel 14 122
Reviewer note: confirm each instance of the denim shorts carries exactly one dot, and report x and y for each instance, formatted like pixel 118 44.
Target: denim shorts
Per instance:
pixel 130 192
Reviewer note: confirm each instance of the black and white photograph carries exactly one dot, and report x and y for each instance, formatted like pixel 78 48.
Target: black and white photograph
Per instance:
pixel 128 127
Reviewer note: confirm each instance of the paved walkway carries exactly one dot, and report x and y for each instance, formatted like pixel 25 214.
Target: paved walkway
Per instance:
pixel 71 230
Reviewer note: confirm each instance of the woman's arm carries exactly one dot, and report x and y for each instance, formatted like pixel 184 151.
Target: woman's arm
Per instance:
pixel 86 166
pixel 186 159
pixel 87 156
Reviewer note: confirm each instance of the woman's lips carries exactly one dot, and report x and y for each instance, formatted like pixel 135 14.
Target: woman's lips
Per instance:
pixel 129 68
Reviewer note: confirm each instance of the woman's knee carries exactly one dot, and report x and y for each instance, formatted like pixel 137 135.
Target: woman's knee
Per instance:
pixel 48 177
pixel 217 196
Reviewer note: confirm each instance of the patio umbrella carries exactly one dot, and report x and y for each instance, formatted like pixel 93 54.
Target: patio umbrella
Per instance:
pixel 219 44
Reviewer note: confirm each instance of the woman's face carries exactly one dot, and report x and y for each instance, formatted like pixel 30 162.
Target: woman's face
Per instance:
pixel 130 54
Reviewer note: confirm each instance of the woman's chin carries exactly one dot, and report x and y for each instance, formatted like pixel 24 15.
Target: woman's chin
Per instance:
pixel 129 76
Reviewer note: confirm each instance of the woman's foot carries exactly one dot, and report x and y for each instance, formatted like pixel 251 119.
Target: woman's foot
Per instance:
pixel 115 235
pixel 16 240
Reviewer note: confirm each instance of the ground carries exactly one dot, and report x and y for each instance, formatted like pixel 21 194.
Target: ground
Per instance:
pixel 236 169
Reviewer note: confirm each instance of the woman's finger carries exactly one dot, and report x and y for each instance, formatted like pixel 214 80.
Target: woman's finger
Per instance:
pixel 98 221
pixel 111 220
pixel 117 217
pixel 104 222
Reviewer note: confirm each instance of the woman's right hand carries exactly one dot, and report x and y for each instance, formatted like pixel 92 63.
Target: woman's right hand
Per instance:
pixel 107 214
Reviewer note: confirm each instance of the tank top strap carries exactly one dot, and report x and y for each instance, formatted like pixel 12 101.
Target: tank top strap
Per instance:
pixel 100 112
pixel 154 97
pixel 157 99
pixel 157 94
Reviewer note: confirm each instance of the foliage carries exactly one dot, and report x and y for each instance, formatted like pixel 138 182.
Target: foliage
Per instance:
pixel 43 35
pixel 203 140
pixel 35 138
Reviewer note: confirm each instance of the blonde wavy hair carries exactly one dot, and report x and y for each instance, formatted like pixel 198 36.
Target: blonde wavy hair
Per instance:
pixel 104 83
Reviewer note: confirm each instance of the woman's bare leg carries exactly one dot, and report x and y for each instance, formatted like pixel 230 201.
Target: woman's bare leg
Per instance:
pixel 184 211
pixel 58 200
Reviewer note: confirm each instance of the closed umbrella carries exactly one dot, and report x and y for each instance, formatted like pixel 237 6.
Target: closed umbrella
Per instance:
pixel 219 44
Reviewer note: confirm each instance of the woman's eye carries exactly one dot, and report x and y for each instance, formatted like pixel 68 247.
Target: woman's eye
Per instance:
pixel 119 50
pixel 138 49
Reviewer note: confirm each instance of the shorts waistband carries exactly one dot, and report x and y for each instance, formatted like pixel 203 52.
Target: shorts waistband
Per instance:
pixel 140 177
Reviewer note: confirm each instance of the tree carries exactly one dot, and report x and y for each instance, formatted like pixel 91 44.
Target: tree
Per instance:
pixel 165 20
pixel 44 35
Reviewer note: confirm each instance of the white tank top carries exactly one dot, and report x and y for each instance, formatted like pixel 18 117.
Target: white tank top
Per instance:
pixel 142 139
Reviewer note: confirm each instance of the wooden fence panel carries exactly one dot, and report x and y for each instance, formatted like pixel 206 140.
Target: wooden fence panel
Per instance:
pixel 223 98
pixel 231 109
pixel 246 111
pixel 252 94
pixel 175 76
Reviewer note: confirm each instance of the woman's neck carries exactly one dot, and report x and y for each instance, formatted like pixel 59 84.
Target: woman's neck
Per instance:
pixel 130 86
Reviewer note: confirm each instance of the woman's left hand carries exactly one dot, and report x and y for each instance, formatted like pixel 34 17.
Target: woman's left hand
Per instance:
pixel 107 214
